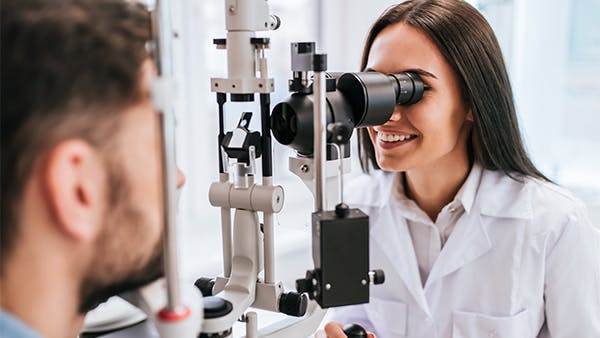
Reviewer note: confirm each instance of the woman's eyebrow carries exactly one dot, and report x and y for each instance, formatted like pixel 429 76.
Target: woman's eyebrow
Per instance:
pixel 419 71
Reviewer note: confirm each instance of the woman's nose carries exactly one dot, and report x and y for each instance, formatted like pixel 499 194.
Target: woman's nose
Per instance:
pixel 396 115
pixel 180 178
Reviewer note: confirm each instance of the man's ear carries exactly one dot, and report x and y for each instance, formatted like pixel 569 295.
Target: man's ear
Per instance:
pixel 74 181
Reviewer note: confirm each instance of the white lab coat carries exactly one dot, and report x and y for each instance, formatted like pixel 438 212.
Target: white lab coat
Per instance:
pixel 524 262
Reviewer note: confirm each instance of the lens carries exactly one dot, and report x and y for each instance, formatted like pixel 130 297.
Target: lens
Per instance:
pixel 292 120
pixel 373 95
pixel 284 123
pixel 291 123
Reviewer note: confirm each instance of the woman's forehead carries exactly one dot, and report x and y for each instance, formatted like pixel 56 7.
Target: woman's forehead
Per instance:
pixel 400 47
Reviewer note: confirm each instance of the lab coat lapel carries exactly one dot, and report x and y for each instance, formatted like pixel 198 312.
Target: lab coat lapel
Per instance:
pixel 468 242
pixel 498 196
pixel 397 244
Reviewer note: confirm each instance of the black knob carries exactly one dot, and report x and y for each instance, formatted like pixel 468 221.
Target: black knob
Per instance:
pixel 205 285
pixel 304 285
pixel 293 304
pixel 339 133
pixel 216 307
pixel 378 276
pixel 342 210
pixel 354 331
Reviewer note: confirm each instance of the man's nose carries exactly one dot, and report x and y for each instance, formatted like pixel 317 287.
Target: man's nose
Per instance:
pixel 180 178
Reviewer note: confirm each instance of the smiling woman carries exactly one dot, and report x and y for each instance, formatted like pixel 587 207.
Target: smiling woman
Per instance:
pixel 471 72
pixel 474 239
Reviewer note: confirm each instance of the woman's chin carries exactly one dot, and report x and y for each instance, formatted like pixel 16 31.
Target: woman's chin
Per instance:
pixel 392 165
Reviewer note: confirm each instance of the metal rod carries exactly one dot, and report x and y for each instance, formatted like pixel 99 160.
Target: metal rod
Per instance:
pixel 163 33
pixel 340 149
pixel 170 240
pixel 251 325
pixel 226 233
pixel 268 241
pixel 320 135
pixel 221 99
pixel 265 109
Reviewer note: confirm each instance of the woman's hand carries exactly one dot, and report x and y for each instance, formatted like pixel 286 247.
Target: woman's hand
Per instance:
pixel 335 330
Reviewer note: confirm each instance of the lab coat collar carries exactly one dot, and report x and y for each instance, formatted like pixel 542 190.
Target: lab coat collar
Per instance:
pixel 498 196
pixel 504 197
pixel 469 240
pixel 491 193
pixel 465 196
pixel 494 194
pixel 468 191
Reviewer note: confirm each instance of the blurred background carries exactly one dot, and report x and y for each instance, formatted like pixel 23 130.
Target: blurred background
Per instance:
pixel 552 51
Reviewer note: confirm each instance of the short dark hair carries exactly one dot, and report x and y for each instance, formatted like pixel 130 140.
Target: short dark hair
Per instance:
pixel 469 45
pixel 69 67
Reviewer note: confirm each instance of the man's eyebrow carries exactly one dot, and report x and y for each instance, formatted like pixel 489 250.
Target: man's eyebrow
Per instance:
pixel 419 71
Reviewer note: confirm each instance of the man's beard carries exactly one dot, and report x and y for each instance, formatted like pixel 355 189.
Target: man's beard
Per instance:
pixel 121 262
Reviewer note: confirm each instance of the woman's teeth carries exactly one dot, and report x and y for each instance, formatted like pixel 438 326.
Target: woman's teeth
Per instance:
pixel 385 137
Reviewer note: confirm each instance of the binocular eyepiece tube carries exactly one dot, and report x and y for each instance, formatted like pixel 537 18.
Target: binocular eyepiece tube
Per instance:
pixel 357 100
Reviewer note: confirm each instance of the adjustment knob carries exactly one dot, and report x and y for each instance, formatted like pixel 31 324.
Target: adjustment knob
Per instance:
pixel 293 304
pixel 303 285
pixel 216 307
pixel 309 284
pixel 342 210
pixel 354 331
pixel 377 276
pixel 339 133
pixel 205 285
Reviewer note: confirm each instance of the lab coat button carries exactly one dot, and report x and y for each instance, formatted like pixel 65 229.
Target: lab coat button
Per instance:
pixel 492 334
pixel 428 321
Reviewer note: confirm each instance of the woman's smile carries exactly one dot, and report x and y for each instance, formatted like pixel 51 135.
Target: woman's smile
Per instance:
pixel 390 139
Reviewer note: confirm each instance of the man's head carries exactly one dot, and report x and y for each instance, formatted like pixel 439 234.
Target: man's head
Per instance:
pixel 80 142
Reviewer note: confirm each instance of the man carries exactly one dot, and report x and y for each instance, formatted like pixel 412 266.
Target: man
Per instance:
pixel 81 199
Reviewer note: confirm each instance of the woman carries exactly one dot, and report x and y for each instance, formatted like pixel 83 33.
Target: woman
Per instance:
pixel 474 240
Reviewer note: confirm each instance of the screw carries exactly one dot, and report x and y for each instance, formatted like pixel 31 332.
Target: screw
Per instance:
pixel 304 168
pixel 363 282
pixel 327 286
pixel 232 8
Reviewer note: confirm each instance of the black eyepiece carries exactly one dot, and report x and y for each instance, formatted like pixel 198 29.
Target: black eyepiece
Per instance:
pixel 373 95
pixel 358 100
pixel 409 88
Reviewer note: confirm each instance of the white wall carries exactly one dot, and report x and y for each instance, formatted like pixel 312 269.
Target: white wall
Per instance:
pixel 344 30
